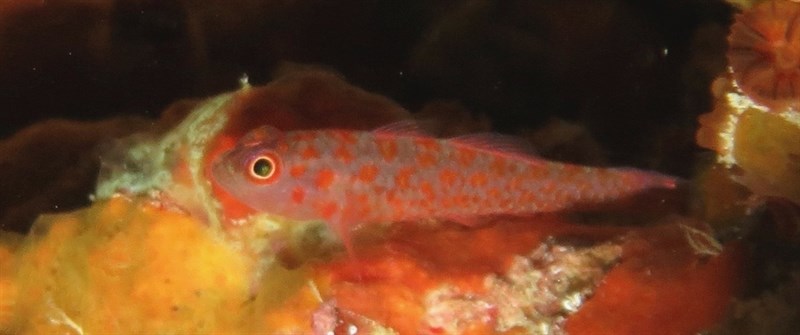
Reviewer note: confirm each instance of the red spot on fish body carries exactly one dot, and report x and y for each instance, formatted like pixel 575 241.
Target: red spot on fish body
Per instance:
pixel 347 137
pixel 297 171
pixel 513 168
pixel 298 195
pixel 328 209
pixel 447 202
pixel 400 205
pixel 465 156
pixel 368 173
pixel 475 199
pixel 514 183
pixel 536 172
pixel 547 187
pixel 362 199
pixel 498 166
pixel 493 193
pixel 427 144
pixel 397 204
pixel 325 178
pixel 527 197
pixel 448 177
pixel 310 153
pixel 402 180
pixel 570 171
pixel 426 159
pixel 390 195
pixel 343 153
pixel 427 191
pixel 478 179
pixel 461 200
pixel 388 150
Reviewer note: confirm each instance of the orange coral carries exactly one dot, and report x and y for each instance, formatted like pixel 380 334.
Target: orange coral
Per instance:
pixel 764 53
pixel 125 266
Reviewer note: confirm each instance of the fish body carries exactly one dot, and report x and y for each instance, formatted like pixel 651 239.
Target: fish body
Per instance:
pixel 347 177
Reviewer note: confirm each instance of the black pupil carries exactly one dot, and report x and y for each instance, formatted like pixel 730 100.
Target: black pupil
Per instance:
pixel 262 167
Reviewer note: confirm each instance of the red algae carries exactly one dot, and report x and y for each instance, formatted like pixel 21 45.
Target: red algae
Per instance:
pixel 661 278
pixel 490 249
pixel 388 281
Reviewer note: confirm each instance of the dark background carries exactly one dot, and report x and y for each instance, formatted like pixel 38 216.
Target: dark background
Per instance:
pixel 634 73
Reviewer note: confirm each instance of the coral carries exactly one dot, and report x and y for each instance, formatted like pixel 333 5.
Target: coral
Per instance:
pixel 761 143
pixel 764 53
pixel 755 123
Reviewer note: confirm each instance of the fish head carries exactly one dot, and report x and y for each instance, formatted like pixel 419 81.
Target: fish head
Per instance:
pixel 253 171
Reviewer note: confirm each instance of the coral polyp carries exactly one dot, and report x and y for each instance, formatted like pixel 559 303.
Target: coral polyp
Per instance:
pixel 764 53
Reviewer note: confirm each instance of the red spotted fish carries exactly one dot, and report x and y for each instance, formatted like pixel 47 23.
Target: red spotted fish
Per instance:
pixel 397 173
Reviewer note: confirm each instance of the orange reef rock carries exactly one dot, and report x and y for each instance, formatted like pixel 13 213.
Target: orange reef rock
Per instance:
pixel 124 266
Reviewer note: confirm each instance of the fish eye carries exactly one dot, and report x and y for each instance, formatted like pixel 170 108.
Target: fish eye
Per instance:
pixel 262 168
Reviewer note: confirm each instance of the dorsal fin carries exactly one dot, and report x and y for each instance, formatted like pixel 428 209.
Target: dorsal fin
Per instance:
pixel 497 143
pixel 403 128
